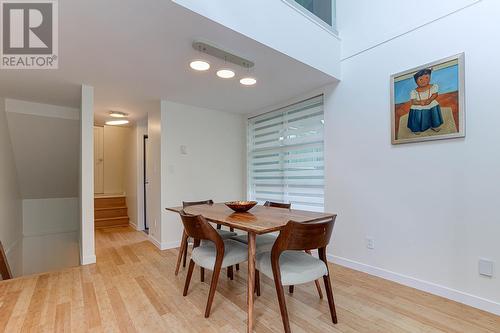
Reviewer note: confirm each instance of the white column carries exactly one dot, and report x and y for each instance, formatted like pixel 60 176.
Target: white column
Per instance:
pixel 87 247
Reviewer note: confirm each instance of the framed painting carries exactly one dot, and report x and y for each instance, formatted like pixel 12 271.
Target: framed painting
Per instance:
pixel 428 102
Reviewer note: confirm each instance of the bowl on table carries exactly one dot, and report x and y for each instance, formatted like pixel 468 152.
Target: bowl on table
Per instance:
pixel 241 206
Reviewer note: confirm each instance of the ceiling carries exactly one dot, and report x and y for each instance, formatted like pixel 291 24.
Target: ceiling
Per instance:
pixel 136 53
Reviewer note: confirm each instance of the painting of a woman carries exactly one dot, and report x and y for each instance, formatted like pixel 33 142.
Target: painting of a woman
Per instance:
pixel 428 102
pixel 425 111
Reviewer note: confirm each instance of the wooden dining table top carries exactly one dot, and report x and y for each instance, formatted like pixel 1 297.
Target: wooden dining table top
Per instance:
pixel 258 220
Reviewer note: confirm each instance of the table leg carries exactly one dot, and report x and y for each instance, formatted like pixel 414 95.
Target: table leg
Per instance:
pixel 251 279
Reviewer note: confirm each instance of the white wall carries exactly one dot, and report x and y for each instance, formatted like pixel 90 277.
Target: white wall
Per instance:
pixel 364 24
pixel 154 158
pixel 50 230
pixel 10 199
pixel 87 242
pixel 431 207
pixel 45 136
pixel 213 168
pixel 115 158
pixel 131 188
pixel 50 216
pixel 134 174
pixel 278 25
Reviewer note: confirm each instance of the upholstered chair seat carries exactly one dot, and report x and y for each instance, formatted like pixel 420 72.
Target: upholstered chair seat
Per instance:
pixel 205 254
pixel 263 242
pixel 297 267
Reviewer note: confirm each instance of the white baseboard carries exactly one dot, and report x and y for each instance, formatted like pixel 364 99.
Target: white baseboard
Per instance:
pixel 171 245
pixel 432 288
pixel 88 260
pixel 154 241
pixel 135 226
pixel 164 245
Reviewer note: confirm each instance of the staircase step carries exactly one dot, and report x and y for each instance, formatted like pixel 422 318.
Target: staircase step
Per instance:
pixel 110 208
pixel 109 202
pixel 111 222
pixel 106 213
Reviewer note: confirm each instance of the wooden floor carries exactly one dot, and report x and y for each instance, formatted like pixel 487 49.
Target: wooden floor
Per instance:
pixel 133 289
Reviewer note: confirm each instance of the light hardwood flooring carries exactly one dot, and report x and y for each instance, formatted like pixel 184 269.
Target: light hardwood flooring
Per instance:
pixel 132 288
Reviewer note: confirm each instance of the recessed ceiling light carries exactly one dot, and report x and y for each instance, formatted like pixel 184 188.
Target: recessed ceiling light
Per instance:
pixel 117 122
pixel 199 65
pixel 248 81
pixel 117 114
pixel 225 73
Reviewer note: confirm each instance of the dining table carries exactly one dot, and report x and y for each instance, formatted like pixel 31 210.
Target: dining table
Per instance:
pixel 257 221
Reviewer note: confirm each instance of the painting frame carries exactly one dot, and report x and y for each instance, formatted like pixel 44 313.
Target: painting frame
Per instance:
pixel 460 59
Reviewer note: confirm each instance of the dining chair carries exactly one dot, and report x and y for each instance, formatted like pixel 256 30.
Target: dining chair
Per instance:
pixel 213 253
pixel 266 242
pixel 184 242
pixel 287 263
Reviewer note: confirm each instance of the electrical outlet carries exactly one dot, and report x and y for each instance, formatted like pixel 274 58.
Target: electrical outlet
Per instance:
pixel 370 243
pixel 486 267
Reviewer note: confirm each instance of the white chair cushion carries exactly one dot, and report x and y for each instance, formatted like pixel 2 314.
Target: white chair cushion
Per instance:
pixel 264 243
pixel 225 234
pixel 296 267
pixel 234 253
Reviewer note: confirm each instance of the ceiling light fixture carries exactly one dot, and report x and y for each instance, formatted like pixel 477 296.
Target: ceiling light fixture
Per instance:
pixel 225 73
pixel 248 81
pixel 117 114
pixel 199 65
pixel 117 122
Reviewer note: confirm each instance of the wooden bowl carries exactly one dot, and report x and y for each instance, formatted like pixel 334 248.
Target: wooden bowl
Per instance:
pixel 241 206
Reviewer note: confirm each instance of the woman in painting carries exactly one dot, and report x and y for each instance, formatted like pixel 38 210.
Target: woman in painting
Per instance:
pixel 425 111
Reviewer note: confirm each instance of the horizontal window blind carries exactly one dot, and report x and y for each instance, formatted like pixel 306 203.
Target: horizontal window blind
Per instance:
pixel 285 155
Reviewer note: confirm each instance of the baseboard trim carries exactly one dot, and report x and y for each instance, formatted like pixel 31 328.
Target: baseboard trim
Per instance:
pixel 88 260
pixel 154 241
pixel 164 245
pixel 171 245
pixel 135 226
pixel 432 288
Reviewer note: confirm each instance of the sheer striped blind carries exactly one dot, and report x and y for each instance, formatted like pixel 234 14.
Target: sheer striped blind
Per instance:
pixel 285 155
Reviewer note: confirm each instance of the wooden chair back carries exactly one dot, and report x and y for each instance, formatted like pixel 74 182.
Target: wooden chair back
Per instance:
pixel 5 271
pixel 198 228
pixel 196 203
pixel 304 236
pixel 277 204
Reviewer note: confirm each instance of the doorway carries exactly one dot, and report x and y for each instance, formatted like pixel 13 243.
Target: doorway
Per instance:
pixel 146 181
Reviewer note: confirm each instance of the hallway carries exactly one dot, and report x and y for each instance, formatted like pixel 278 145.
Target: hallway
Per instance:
pixel 132 288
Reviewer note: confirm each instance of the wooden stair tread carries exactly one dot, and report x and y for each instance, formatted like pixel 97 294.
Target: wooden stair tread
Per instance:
pixel 110 208
pixel 112 218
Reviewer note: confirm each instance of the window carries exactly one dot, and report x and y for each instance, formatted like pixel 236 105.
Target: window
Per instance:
pixel 322 11
pixel 285 155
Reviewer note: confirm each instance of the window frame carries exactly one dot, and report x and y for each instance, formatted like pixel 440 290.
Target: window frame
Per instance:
pixel 332 29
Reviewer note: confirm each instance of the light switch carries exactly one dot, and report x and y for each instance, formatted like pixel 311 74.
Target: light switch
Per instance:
pixel 184 150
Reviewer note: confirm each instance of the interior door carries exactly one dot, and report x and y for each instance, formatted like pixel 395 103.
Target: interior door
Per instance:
pixel 98 159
